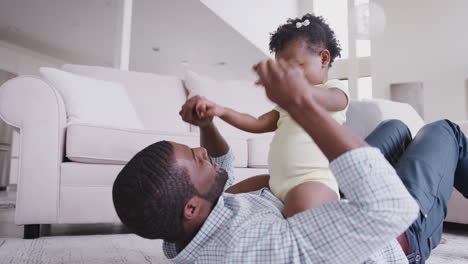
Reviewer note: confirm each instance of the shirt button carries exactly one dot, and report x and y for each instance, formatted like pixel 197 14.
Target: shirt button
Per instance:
pixel 418 258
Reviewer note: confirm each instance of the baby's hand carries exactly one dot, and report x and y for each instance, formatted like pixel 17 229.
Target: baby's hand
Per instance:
pixel 189 114
pixel 207 109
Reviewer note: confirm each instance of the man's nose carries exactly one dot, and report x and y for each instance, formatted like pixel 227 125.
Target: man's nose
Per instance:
pixel 202 152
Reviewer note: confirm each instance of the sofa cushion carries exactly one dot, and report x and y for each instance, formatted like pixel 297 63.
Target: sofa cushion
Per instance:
pixel 92 101
pixel 107 145
pixel 463 126
pixel 242 96
pixel 364 116
pixel 245 173
pixel 157 99
pixel 258 151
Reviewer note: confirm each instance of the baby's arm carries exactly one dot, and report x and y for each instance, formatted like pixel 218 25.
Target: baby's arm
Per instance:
pixel 265 123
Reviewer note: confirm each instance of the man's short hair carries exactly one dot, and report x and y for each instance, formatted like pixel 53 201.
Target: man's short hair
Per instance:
pixel 150 193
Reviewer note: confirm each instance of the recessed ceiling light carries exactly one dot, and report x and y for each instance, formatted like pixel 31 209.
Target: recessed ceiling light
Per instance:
pixel 12 28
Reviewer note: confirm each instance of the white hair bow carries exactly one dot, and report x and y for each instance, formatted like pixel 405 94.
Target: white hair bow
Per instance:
pixel 305 23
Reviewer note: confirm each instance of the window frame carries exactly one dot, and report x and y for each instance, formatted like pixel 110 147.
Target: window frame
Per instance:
pixel 353 67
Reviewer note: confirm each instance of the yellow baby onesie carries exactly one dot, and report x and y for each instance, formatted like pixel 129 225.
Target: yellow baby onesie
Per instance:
pixel 294 158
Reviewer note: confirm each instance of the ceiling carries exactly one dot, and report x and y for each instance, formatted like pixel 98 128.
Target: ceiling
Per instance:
pixel 77 31
pixel 165 35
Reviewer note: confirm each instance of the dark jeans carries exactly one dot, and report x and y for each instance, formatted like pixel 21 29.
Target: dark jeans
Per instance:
pixel 430 165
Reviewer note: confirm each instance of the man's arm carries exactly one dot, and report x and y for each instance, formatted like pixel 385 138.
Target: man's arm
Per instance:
pixel 251 184
pixel 211 139
pixel 378 206
pixel 332 99
pixel 286 85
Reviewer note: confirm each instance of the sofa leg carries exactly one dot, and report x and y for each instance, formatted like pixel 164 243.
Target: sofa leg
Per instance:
pixel 32 231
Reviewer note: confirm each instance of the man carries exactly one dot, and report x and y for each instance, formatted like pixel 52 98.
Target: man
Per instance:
pixel 173 192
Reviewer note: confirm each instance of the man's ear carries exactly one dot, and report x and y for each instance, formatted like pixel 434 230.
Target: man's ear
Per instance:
pixel 326 57
pixel 192 208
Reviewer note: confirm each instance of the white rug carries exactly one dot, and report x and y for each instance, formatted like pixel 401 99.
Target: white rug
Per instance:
pixel 105 249
pixel 123 249
pixel 454 252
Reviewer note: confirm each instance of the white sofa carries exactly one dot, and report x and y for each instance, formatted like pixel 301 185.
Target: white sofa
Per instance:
pixel 65 172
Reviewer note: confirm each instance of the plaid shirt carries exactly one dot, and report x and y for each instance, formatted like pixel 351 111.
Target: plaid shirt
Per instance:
pixel 249 227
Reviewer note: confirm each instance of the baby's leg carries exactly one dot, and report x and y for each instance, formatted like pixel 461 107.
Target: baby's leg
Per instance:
pixel 307 195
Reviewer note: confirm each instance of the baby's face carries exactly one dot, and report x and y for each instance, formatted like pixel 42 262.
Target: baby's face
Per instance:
pixel 298 52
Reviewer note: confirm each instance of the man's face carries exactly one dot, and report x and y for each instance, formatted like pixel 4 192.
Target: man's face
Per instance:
pixel 205 175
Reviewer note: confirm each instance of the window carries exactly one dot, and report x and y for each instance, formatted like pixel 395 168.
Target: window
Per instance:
pixel 339 14
pixel 361 14
pixel 363 48
pixel 360 2
pixel 335 13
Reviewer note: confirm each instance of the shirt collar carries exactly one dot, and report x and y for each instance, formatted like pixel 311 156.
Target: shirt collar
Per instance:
pixel 211 225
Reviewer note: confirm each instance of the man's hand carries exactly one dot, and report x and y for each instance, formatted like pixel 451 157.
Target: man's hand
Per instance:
pixel 189 112
pixel 210 138
pixel 285 84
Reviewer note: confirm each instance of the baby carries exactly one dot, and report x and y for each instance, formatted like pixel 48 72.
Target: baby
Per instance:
pixel 299 172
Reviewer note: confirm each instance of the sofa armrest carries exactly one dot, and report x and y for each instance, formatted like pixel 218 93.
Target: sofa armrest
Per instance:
pixel 38 111
pixel 364 116
pixel 463 126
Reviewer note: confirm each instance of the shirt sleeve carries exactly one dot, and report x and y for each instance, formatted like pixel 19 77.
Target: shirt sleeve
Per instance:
pixel 340 85
pixel 226 162
pixel 378 209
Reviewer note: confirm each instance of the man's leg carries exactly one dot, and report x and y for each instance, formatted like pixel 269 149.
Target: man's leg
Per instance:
pixel 461 177
pixel 427 169
pixel 391 137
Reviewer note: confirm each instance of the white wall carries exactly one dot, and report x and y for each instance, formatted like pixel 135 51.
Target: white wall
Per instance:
pixel 255 20
pixel 23 61
pixel 425 40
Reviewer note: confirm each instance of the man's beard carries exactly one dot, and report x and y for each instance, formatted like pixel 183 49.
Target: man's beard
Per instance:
pixel 217 188
pixel 212 196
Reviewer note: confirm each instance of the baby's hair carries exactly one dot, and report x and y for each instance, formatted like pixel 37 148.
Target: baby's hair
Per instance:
pixel 317 33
